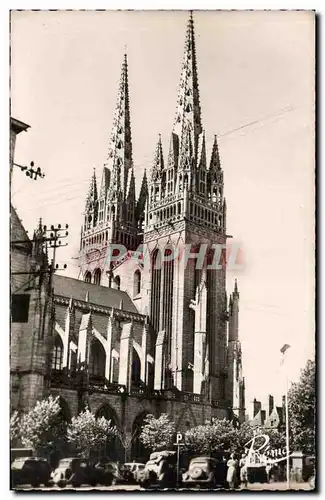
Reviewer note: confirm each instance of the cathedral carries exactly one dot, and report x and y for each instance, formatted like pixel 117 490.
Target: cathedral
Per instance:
pixel 147 328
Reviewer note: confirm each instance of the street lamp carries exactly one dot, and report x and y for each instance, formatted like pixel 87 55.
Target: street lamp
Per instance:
pixel 283 350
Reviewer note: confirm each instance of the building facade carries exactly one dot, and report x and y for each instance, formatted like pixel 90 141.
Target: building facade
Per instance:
pixel 148 328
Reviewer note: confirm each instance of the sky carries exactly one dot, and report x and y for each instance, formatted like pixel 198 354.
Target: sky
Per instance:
pixel 256 80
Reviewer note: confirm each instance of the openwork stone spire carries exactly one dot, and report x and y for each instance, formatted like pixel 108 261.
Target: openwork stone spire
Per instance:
pixel 120 152
pixel 188 113
pixel 91 210
pixel 158 163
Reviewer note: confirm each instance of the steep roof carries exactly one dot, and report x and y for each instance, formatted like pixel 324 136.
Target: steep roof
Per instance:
pixel 99 295
pixel 18 232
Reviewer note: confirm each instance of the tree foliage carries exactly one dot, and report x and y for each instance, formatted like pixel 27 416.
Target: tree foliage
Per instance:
pixel 301 402
pixel 41 426
pixel 158 433
pixel 14 426
pixel 220 436
pixel 213 437
pixel 86 432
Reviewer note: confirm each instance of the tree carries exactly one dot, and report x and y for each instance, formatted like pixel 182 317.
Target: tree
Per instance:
pixel 14 426
pixel 158 433
pixel 220 436
pixel 41 426
pixel 213 437
pixel 87 433
pixel 301 402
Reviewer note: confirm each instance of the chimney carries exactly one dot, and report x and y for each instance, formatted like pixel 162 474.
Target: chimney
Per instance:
pixel 271 404
pixel 256 407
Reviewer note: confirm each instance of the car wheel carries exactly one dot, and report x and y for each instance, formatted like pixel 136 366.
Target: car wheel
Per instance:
pixel 62 483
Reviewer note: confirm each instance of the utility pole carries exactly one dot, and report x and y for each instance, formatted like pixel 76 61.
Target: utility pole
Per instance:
pixel 283 350
pixel 51 238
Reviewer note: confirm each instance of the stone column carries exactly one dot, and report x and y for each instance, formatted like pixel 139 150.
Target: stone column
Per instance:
pixel 108 348
pixel 199 305
pixel 84 332
pixel 143 374
pixel 66 340
pixel 160 361
pixel 126 356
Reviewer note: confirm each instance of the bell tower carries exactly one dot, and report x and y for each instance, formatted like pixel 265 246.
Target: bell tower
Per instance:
pixel 185 218
pixel 113 214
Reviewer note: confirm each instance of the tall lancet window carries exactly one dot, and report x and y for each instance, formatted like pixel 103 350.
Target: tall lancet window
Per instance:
pixel 169 261
pixel 57 355
pixel 97 276
pixel 155 289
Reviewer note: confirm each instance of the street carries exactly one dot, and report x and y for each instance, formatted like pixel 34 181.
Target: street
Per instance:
pixel 135 487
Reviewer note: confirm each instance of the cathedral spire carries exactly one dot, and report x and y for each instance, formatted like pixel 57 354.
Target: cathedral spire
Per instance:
pixel 140 208
pixel 188 113
pixel 215 163
pixel 158 163
pixel 120 152
pixel 91 210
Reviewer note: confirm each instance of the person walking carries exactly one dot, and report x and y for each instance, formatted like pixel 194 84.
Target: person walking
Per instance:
pixel 232 465
pixel 243 470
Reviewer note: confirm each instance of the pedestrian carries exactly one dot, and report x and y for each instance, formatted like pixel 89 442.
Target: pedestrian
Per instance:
pixel 232 465
pixel 243 470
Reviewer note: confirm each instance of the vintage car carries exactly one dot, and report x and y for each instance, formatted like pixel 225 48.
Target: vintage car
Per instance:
pixel 205 472
pixel 30 470
pixel 111 472
pixel 160 471
pixel 135 468
pixel 75 471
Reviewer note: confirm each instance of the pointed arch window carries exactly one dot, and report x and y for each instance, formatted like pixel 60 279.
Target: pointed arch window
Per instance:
pixel 136 283
pixel 97 360
pixel 97 276
pixel 117 282
pixel 188 108
pixel 136 369
pixel 57 355
pixel 88 277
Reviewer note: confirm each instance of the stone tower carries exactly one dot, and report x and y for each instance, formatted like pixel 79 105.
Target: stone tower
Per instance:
pixel 185 217
pixel 112 214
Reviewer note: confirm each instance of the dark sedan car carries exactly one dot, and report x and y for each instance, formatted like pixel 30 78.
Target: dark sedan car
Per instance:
pixel 30 470
pixel 75 471
pixel 205 472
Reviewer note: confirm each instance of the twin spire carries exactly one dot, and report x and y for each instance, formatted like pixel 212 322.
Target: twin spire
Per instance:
pixel 188 112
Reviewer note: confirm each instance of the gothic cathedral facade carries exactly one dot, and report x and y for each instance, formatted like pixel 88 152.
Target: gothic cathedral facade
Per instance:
pixel 148 328
pixel 167 236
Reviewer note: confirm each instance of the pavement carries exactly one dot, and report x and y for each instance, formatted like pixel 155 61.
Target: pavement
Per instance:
pixel 136 487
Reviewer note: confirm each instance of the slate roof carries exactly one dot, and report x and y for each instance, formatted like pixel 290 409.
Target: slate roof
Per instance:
pixel 99 295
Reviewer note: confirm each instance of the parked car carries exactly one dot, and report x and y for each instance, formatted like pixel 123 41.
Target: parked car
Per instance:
pixel 109 472
pixel 206 472
pixel 135 468
pixel 160 471
pixel 30 470
pixel 75 471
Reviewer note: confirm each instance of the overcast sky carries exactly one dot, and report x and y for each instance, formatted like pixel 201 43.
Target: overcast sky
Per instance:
pixel 256 78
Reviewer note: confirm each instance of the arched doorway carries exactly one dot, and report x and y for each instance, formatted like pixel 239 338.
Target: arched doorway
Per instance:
pixel 139 451
pixel 113 449
pixel 97 362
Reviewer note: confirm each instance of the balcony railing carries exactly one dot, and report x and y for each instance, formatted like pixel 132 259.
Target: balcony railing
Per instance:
pixel 99 384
